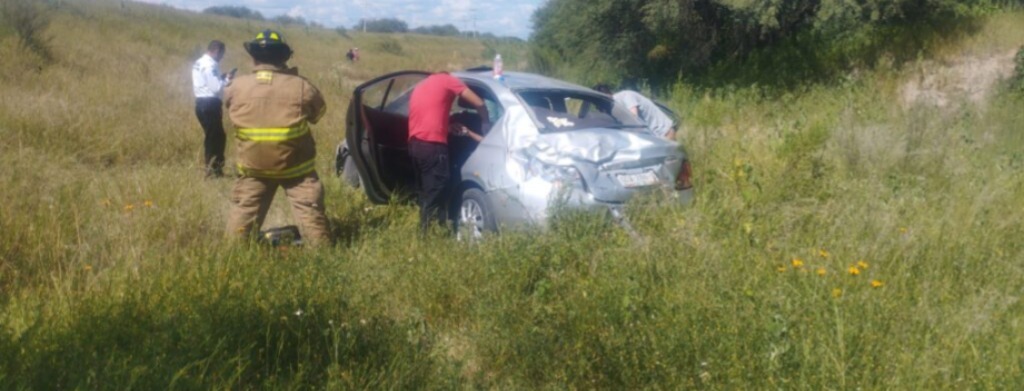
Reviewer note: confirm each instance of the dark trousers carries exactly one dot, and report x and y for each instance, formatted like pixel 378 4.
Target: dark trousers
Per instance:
pixel 209 112
pixel 430 160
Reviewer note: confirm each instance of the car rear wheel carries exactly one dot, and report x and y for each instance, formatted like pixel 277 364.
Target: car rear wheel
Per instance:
pixel 346 167
pixel 475 216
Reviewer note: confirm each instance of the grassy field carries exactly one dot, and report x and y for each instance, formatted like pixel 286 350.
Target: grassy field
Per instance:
pixel 861 235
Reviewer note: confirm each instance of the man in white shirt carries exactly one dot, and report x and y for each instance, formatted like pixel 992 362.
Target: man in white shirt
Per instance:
pixel 644 109
pixel 208 86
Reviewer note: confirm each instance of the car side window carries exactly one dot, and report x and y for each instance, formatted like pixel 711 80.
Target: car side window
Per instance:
pixel 373 96
pixel 494 109
pixel 391 94
pixel 399 93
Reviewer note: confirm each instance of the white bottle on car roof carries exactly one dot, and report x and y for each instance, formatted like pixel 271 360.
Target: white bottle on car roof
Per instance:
pixel 498 65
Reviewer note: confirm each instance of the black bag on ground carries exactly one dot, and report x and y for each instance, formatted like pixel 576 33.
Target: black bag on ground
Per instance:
pixel 282 236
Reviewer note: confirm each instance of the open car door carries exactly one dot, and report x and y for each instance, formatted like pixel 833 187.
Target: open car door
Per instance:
pixel 377 133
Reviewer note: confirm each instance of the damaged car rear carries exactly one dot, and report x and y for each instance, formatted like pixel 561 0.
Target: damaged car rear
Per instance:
pixel 552 145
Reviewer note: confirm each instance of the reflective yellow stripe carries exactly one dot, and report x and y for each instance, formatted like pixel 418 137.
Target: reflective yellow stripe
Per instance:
pixel 291 172
pixel 272 134
pixel 273 36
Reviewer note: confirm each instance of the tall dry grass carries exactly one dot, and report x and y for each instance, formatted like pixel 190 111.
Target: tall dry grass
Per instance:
pixel 841 238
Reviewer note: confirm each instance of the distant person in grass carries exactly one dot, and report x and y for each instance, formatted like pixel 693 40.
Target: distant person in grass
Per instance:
pixel 208 86
pixel 272 109
pixel 644 109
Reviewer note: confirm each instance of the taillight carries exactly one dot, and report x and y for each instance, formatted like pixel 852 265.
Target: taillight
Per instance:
pixel 683 179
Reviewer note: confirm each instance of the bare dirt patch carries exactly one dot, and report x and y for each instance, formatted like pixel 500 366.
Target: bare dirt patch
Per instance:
pixel 964 79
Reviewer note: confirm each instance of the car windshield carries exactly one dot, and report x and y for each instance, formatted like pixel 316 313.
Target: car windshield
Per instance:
pixel 564 110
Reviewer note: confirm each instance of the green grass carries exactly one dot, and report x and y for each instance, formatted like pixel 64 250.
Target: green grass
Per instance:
pixel 114 274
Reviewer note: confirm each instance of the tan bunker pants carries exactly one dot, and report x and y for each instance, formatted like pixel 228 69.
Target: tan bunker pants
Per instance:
pixel 251 198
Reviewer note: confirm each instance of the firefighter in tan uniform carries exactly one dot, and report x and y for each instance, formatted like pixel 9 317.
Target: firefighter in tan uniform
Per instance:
pixel 272 109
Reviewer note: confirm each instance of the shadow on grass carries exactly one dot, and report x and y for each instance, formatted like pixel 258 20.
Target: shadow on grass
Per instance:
pixel 225 342
pixel 350 229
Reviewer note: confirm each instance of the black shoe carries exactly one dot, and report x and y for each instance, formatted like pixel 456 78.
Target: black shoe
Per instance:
pixel 214 174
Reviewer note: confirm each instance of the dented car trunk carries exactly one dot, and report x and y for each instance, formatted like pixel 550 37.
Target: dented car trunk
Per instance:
pixel 612 163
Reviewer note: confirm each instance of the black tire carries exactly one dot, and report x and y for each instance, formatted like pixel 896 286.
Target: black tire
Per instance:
pixel 345 168
pixel 350 174
pixel 340 154
pixel 475 216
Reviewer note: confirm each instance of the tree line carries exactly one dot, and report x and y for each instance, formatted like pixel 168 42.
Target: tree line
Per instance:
pixel 662 41
pixel 395 25
pixel 372 25
pixel 242 12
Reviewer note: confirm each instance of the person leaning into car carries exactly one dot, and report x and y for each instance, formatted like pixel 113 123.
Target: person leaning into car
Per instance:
pixel 643 109
pixel 429 126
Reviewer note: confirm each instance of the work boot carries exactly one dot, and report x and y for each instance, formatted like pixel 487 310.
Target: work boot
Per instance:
pixel 214 168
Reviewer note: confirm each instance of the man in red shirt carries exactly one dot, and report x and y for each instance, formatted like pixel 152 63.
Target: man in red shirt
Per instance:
pixel 429 126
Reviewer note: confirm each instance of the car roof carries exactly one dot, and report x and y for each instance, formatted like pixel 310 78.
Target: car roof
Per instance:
pixel 519 80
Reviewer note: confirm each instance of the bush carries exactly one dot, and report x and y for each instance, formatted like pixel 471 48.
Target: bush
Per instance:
pixel 1017 83
pixel 286 20
pixel 447 30
pixel 234 12
pixel 342 31
pixel 390 45
pixel 384 25
pixel 29 20
pixel 658 41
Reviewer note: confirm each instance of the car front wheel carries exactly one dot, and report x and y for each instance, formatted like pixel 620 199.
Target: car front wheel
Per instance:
pixel 475 215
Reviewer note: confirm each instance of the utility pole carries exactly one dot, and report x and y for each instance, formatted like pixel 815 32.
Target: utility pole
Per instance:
pixel 472 15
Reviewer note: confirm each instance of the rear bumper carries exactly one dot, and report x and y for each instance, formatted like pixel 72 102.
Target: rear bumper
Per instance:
pixel 535 208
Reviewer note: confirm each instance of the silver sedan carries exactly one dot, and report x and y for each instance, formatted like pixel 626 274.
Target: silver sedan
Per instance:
pixel 552 145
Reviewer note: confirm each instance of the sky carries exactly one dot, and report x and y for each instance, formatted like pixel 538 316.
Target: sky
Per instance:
pixel 500 17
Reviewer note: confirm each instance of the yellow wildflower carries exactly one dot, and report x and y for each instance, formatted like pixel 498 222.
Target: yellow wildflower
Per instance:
pixel 129 207
pixel 863 265
pixel 781 269
pixel 837 292
pixel 148 203
pixel 823 253
pixel 877 284
pixel 797 263
pixel 821 271
pixel 854 271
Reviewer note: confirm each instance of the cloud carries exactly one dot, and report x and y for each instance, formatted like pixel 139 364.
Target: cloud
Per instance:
pixel 499 18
